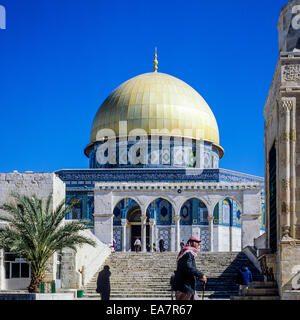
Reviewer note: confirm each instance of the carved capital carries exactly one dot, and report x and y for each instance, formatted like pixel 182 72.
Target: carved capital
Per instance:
pixel 176 218
pixel 152 222
pixel 210 219
pixel 286 105
pixel 143 219
pixel 285 232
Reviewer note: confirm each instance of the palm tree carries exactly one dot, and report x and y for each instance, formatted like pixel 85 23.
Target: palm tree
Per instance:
pixel 35 232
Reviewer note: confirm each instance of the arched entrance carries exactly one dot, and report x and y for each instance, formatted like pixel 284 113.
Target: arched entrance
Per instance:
pixel 125 234
pixel 135 224
pixel 134 221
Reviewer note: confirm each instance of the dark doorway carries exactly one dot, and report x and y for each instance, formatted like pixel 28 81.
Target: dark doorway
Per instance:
pixel 272 200
pixel 135 233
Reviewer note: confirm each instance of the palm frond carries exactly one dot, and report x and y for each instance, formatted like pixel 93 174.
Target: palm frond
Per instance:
pixel 35 231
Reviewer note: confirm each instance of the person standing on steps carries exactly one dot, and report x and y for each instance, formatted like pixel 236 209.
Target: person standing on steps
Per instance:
pixel 244 276
pixel 103 283
pixel 161 245
pixel 154 247
pixel 137 245
pixel 187 273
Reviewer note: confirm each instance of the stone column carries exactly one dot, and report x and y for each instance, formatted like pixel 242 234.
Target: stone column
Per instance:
pixel 152 224
pixel 124 224
pixel 285 107
pixel 211 232
pixel 143 232
pixel 177 233
pixel 172 242
pixel 293 139
pixel 156 233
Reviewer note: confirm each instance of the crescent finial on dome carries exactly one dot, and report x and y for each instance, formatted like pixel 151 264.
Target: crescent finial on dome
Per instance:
pixel 155 61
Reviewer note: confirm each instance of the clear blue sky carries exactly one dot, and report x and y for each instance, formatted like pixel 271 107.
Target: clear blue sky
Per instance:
pixel 60 59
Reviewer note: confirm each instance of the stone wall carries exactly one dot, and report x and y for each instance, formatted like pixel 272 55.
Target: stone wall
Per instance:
pixel 289 263
pixel 79 267
pixel 282 118
pixel 40 184
pixel 236 239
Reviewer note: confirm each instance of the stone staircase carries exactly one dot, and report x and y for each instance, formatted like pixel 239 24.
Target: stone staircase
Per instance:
pixel 147 275
pixel 260 291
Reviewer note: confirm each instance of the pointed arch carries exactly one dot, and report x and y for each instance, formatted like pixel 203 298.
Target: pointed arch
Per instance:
pixel 228 212
pixel 161 209
pixel 123 207
pixel 194 211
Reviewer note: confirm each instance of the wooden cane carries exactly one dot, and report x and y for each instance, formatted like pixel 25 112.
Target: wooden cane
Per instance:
pixel 203 290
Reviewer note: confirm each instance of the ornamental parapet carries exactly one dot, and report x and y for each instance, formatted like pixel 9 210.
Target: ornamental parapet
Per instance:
pixel 178 187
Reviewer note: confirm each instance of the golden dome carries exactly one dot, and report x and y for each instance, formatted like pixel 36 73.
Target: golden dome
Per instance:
pixel 157 101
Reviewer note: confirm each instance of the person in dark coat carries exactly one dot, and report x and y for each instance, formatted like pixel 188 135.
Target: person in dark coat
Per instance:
pixel 187 273
pixel 172 284
pixel 244 276
pixel 161 245
pixel 103 283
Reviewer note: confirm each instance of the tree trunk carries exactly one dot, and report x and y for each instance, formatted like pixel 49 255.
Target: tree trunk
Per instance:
pixel 34 283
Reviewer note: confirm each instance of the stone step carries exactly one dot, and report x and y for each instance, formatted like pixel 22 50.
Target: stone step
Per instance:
pixel 263 284
pixel 152 272
pixel 255 298
pixel 262 292
pixel 128 295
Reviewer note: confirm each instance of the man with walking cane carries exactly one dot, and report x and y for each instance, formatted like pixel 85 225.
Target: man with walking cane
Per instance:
pixel 187 273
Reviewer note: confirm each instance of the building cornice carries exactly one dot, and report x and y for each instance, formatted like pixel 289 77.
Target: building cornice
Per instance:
pixel 177 187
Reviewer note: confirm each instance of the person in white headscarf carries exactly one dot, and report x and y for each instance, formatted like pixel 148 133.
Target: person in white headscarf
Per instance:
pixel 187 273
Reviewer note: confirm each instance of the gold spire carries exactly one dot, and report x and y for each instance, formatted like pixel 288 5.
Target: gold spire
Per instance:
pixel 155 61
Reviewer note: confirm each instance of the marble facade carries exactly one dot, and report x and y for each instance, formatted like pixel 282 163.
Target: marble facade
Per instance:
pixel 282 154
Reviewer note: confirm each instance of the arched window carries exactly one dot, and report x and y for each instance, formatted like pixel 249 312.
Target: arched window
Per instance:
pixel 124 208
pixel 76 213
pixel 193 211
pixel 117 214
pixel 238 218
pixel 216 213
pixel 203 212
pixel 226 211
pixel 186 217
pixel 90 210
pixel 161 210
